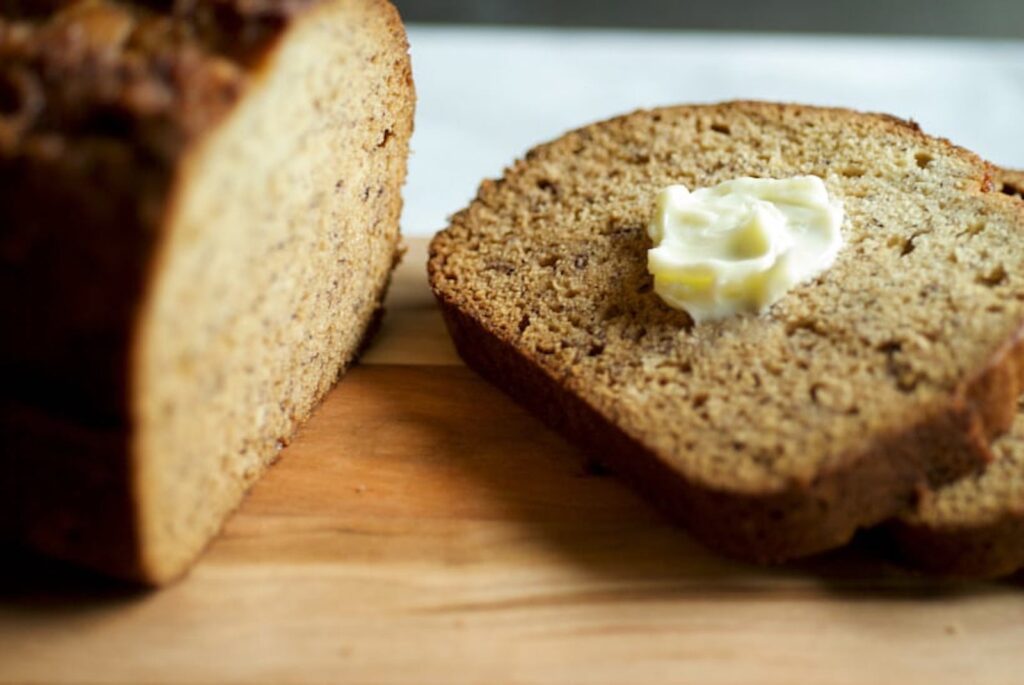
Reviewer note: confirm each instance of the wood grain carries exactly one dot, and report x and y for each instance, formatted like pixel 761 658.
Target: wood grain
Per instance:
pixel 422 528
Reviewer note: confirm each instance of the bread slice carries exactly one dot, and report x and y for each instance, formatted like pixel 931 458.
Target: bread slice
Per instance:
pixel 770 436
pixel 975 526
pixel 199 216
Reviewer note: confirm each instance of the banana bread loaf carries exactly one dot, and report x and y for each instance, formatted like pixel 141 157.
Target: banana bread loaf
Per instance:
pixel 199 208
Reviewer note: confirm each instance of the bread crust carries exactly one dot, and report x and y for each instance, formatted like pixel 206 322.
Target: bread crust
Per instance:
pixel 989 551
pixel 69 481
pixel 66 489
pixel 804 517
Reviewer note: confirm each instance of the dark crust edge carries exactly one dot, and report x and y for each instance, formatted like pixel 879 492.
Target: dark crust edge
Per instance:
pixel 987 551
pixel 801 519
pixel 65 490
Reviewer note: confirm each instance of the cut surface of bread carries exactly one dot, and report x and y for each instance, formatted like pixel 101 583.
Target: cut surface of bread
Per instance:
pixel 203 205
pixel 770 436
pixel 973 527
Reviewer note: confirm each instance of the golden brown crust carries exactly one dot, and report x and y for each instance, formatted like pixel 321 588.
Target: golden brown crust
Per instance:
pixel 802 517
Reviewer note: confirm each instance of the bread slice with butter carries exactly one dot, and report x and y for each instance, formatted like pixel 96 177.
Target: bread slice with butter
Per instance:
pixel 973 527
pixel 771 435
pixel 199 207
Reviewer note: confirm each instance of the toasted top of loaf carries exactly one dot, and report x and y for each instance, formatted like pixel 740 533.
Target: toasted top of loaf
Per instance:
pixel 119 71
pixel 910 327
pixel 101 102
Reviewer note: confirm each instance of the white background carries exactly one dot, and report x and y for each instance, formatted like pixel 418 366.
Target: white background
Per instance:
pixel 486 95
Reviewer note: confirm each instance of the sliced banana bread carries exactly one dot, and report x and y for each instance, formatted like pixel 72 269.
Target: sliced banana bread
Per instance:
pixel 975 526
pixel 199 208
pixel 770 436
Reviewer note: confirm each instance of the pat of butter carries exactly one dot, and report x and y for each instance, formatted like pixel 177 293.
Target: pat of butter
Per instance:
pixel 739 246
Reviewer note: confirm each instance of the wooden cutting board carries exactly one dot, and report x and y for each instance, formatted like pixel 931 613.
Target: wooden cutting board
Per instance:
pixel 422 528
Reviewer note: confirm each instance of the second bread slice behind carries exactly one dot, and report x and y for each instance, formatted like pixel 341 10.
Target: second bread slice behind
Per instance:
pixel 975 526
